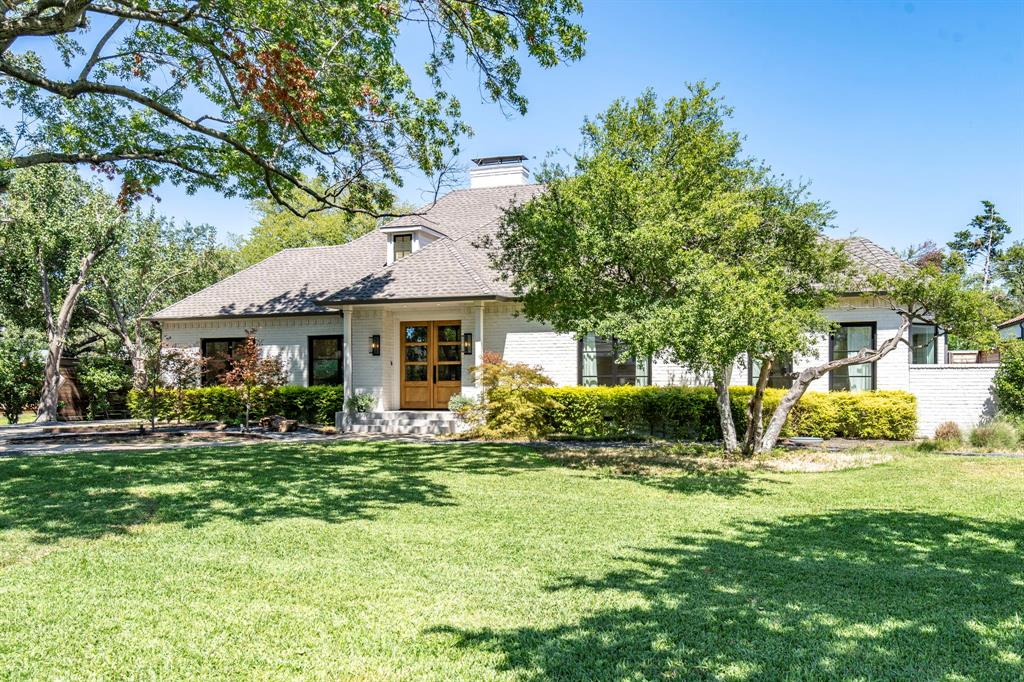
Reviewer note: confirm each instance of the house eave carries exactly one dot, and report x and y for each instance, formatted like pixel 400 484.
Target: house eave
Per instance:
pixel 422 299
pixel 240 316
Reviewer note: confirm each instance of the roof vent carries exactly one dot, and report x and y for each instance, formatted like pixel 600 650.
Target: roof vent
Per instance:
pixel 498 171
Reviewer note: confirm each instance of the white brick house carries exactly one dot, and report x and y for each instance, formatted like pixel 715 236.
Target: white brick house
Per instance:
pixel 406 310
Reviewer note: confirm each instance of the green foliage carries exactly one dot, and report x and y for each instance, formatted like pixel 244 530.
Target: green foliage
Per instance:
pixel 249 96
pixel 52 220
pixel 999 434
pixel 690 413
pixel 664 236
pixel 1010 270
pixel 982 239
pixel 21 370
pixel 102 377
pixel 467 409
pixel 361 402
pixel 310 405
pixel 949 433
pixel 514 400
pixel 1009 379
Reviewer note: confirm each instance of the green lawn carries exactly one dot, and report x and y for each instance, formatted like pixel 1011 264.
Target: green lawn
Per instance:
pixel 23 419
pixel 379 561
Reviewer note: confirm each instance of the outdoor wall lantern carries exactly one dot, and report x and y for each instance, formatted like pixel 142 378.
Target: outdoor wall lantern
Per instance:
pixel 375 344
pixel 467 344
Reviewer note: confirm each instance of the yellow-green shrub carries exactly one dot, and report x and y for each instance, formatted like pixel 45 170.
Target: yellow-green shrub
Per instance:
pixel 690 413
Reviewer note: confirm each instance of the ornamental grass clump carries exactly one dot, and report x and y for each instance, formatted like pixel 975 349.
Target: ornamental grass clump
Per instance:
pixel 996 435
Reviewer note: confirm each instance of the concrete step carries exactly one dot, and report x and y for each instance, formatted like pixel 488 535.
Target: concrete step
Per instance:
pixel 406 414
pixel 398 430
pixel 404 422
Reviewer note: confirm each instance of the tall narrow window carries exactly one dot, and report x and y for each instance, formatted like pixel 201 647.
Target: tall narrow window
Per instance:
pixel 601 364
pixel 325 365
pixel 924 349
pixel 403 245
pixel 780 375
pixel 217 354
pixel 847 341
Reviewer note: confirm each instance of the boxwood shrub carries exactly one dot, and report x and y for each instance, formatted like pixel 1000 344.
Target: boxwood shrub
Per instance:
pixel 689 412
pixel 310 405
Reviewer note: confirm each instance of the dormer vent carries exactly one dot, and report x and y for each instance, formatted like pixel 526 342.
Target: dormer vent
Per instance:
pixel 498 171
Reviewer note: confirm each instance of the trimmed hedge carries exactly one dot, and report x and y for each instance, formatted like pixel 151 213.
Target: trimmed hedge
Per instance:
pixel 690 413
pixel 310 405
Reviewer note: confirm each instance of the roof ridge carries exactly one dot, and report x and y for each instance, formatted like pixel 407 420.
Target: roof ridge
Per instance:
pixel 454 248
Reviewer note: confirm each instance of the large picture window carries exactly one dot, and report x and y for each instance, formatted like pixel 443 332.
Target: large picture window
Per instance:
pixel 217 354
pixel 848 340
pixel 924 347
pixel 780 375
pixel 600 364
pixel 325 362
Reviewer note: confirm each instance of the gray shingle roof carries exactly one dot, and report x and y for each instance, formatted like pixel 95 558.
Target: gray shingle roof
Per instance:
pixel 464 210
pixel 289 282
pixel 456 266
pixel 868 258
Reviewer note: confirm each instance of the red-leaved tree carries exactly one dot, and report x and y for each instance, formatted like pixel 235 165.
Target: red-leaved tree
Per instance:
pixel 252 373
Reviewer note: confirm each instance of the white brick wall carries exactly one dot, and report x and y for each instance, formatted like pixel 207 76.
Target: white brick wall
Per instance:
pixel 957 393
pixel 522 340
pixel 286 337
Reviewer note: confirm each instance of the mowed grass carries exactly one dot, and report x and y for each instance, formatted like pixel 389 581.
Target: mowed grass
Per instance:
pixel 384 561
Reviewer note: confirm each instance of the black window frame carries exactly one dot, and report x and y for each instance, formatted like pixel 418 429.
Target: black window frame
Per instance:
pixel 340 376
pixel 579 366
pixel 394 245
pixel 206 379
pixel 786 381
pixel 935 344
pixel 832 349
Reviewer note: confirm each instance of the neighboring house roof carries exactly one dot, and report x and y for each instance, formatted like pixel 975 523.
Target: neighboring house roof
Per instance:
pixel 1012 322
pixel 456 266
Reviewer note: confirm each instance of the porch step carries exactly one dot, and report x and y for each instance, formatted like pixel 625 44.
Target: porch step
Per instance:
pixel 428 422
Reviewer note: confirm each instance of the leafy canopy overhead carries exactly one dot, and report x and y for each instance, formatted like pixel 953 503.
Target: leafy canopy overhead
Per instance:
pixel 248 96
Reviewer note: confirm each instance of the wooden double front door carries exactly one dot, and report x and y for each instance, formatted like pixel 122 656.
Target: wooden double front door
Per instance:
pixel 431 364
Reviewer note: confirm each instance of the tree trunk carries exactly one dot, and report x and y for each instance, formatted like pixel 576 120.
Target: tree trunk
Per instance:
pixel 722 379
pixel 139 379
pixel 57 327
pixel 755 412
pixel 46 410
pixel 804 379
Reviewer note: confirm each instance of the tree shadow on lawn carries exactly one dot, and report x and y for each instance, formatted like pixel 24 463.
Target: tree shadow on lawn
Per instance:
pixel 850 594
pixel 90 495
pixel 93 494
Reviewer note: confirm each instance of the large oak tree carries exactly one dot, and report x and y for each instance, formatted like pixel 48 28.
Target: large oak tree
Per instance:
pixel 249 97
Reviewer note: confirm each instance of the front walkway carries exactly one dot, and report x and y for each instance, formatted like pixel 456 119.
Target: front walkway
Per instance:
pixel 112 435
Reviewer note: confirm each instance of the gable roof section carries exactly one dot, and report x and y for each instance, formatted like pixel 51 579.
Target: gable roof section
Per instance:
pixel 289 282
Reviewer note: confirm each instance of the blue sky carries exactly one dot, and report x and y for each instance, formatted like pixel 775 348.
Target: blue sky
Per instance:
pixel 903 115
